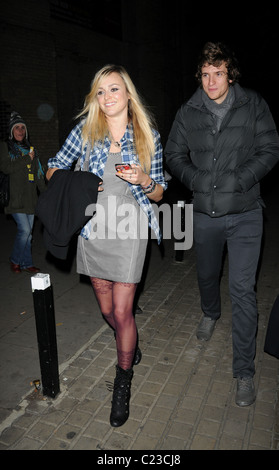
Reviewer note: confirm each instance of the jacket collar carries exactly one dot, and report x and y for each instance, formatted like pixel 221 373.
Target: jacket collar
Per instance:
pixel 196 100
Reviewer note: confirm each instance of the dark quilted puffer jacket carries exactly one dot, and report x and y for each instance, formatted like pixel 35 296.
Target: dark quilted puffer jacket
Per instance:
pixel 223 168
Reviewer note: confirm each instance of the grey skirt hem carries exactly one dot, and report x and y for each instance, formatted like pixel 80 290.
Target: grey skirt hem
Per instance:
pixel 114 264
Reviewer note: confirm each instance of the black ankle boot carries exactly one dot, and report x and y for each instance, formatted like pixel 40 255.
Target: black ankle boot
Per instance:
pixel 137 357
pixel 121 397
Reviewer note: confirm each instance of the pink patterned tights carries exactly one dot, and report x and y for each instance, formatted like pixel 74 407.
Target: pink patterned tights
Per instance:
pixel 116 303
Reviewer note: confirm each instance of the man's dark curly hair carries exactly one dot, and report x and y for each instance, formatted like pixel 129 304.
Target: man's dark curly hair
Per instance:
pixel 214 53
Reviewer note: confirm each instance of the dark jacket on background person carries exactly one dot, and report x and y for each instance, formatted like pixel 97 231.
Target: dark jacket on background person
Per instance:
pixel 23 193
pixel 62 207
pixel 223 167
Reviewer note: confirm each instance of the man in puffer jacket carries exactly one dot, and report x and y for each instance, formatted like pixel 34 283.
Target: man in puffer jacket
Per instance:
pixel 222 143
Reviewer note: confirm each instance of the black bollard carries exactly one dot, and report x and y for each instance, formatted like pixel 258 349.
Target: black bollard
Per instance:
pixel 46 333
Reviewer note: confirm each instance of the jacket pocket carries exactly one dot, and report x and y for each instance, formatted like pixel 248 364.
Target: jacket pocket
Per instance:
pixel 228 182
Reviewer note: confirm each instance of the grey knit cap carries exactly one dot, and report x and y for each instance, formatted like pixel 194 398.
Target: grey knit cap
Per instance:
pixel 14 120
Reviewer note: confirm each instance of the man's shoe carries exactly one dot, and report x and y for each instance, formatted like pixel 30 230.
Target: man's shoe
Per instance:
pixel 15 268
pixel 32 270
pixel 205 328
pixel 245 393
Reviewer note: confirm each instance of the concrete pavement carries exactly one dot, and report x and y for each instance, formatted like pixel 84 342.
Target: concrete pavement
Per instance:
pixel 182 391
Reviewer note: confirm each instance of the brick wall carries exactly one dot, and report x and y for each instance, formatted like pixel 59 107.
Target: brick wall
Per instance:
pixel 47 63
pixel 28 77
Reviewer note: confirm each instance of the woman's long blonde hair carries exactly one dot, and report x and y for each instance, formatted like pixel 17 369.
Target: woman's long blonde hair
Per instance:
pixel 95 126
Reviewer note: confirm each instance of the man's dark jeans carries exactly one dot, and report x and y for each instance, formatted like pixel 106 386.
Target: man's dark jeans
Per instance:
pixel 243 234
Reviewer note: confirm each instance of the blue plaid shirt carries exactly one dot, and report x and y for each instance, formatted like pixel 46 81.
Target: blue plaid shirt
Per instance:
pixel 72 150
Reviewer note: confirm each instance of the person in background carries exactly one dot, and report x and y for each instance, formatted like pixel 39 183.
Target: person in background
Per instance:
pixel 20 161
pixel 222 143
pixel 116 129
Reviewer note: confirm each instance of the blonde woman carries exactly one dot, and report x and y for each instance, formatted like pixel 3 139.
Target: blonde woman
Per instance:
pixel 117 128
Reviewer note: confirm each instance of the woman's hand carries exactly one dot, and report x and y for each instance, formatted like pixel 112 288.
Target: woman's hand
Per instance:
pixel 31 154
pixel 50 172
pixel 136 175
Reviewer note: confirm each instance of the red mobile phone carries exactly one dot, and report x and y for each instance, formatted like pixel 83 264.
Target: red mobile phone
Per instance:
pixel 122 166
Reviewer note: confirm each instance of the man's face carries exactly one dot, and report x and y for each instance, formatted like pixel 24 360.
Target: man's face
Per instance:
pixel 215 81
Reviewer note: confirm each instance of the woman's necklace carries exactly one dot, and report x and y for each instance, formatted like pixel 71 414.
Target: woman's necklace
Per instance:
pixel 117 144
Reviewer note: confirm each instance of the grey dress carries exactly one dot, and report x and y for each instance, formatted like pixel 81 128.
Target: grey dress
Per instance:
pixel 117 244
